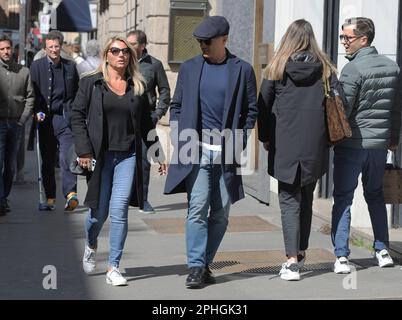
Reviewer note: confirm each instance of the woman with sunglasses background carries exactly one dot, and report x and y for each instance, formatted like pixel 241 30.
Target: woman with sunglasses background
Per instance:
pixel 110 116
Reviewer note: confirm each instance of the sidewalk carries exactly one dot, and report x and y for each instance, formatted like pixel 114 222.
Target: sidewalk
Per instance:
pixel 363 236
pixel 246 266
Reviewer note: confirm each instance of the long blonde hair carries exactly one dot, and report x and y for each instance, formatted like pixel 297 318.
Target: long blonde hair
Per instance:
pixel 132 67
pixel 298 37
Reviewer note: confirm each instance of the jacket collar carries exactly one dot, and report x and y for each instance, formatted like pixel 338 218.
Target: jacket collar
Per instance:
pixel 6 65
pixel 98 77
pixel 365 51
pixel 234 69
pixel 144 56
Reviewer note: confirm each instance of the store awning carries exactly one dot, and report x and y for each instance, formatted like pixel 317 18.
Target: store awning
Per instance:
pixel 74 16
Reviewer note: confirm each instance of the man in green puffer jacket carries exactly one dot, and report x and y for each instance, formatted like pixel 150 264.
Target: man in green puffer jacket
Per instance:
pixel 372 87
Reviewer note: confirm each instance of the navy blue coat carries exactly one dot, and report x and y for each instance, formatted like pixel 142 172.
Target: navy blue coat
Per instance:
pixel 40 81
pixel 240 112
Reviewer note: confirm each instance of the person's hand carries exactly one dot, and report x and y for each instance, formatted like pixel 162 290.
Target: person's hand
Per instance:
pixel 393 147
pixel 85 161
pixel 40 116
pixel 162 169
pixel 266 145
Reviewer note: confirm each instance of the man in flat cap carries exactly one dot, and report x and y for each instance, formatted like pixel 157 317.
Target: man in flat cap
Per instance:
pixel 215 95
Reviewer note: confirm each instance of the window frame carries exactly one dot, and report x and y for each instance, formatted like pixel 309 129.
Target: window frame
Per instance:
pixel 185 5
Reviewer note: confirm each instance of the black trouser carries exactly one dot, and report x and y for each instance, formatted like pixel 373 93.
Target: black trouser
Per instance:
pixel 296 203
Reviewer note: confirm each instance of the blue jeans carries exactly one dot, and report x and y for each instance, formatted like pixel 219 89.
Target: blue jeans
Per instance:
pixel 348 164
pixel 206 189
pixel 10 137
pixel 146 171
pixel 114 198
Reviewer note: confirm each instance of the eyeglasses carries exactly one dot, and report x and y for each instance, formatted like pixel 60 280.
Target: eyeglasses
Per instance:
pixel 206 42
pixel 347 39
pixel 116 51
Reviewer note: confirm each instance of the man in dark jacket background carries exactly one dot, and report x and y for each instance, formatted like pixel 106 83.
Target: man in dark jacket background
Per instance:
pixel 16 105
pixel 215 93
pixel 371 83
pixel 155 76
pixel 55 81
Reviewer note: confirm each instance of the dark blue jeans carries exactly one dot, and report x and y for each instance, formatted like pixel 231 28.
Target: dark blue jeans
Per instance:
pixel 55 134
pixel 348 164
pixel 10 136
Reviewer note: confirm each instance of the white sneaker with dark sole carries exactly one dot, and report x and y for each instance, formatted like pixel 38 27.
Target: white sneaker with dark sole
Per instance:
pixel 341 265
pixel 290 272
pixel 88 261
pixel 384 259
pixel 114 278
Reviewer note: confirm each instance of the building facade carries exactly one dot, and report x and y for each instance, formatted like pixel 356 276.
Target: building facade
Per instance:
pixel 9 12
pixel 256 29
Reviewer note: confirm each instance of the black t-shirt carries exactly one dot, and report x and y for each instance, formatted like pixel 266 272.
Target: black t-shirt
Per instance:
pixel 119 132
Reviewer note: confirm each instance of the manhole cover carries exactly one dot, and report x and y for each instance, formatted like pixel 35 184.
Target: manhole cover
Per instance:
pixel 270 261
pixel 236 224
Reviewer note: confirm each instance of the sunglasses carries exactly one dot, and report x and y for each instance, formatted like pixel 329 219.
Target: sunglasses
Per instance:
pixel 206 42
pixel 116 51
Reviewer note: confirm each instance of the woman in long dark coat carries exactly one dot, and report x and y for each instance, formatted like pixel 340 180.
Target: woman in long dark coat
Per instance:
pixel 291 125
pixel 110 118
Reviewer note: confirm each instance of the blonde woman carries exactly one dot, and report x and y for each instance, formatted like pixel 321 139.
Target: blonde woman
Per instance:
pixel 110 118
pixel 292 127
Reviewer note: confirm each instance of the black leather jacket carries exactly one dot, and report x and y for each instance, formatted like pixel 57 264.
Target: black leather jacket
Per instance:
pixel 155 76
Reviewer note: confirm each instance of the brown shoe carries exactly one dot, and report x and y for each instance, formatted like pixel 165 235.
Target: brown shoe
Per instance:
pixel 72 201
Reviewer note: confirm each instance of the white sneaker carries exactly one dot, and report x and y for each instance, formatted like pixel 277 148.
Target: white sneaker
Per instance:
pixel 342 265
pixel 384 259
pixel 290 272
pixel 88 261
pixel 115 278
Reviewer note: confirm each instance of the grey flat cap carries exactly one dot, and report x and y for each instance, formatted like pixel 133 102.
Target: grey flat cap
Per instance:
pixel 212 27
